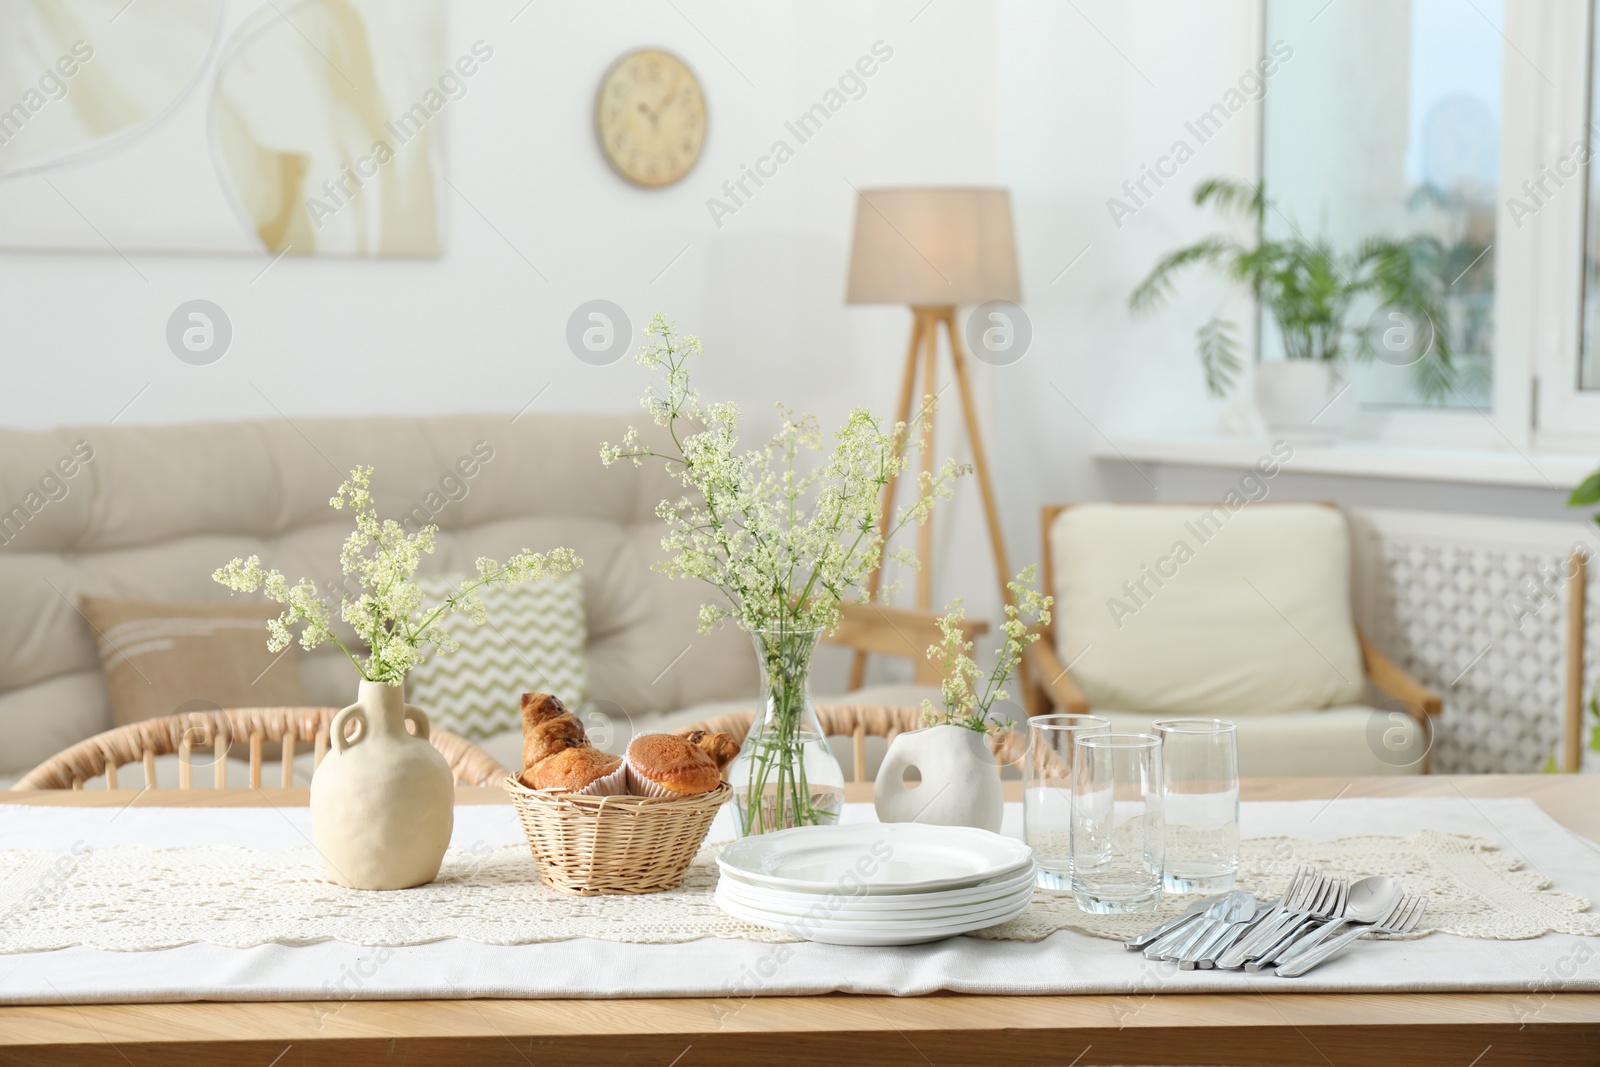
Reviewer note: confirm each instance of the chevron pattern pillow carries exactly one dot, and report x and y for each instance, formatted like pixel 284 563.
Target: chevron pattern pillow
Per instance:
pixel 534 640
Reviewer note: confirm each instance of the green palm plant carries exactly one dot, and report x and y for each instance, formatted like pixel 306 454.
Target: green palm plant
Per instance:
pixel 1309 288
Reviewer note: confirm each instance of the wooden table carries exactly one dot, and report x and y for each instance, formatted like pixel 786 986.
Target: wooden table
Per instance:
pixel 1318 1030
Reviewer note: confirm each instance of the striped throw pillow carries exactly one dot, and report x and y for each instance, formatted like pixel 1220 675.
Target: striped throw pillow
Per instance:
pixel 534 640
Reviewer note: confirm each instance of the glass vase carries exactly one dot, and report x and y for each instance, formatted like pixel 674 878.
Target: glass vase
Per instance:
pixel 785 774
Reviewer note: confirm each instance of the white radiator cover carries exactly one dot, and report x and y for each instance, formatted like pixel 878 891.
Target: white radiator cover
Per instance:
pixel 1476 607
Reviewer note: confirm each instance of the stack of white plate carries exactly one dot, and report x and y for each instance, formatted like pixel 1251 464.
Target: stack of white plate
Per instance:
pixel 876 883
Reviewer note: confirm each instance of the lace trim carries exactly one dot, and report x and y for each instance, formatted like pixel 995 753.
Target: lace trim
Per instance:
pixel 134 898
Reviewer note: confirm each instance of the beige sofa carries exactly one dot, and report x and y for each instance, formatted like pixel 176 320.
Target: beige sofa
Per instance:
pixel 149 512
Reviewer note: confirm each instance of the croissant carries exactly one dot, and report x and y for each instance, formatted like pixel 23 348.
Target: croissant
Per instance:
pixel 719 746
pixel 547 728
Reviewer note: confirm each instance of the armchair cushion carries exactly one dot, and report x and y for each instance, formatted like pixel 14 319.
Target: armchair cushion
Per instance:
pixel 1352 740
pixel 1231 610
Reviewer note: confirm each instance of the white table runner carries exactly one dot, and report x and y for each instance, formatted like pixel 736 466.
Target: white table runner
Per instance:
pixel 1064 962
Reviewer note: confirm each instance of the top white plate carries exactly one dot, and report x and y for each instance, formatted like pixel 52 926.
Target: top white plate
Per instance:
pixel 899 857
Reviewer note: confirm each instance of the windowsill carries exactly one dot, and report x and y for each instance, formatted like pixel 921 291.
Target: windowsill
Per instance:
pixel 1362 459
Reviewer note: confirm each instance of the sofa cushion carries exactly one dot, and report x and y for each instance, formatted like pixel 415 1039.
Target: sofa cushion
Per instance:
pixel 160 658
pixel 533 640
pixel 1206 610
pixel 153 510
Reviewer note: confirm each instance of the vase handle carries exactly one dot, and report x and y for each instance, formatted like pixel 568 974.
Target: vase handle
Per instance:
pixel 336 728
pixel 418 718
pixel 890 785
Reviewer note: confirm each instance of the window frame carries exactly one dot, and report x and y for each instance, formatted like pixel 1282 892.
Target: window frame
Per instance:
pixel 1550 296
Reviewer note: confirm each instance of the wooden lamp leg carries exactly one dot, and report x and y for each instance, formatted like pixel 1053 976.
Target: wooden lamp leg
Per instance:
pixel 980 466
pixel 925 342
pixel 920 328
pixel 930 387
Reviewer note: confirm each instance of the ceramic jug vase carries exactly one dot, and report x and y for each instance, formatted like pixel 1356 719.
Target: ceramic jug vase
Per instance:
pixel 960 782
pixel 383 800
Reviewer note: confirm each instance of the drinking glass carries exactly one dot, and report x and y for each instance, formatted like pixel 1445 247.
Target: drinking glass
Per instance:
pixel 1200 801
pixel 1117 833
pixel 1047 793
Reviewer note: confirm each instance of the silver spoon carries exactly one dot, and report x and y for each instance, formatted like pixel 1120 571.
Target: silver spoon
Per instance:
pixel 1370 900
pixel 1216 917
pixel 1241 908
pixel 1206 959
pixel 1157 933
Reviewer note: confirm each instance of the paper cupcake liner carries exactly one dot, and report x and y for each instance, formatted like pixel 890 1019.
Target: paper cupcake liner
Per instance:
pixel 615 784
pixel 640 786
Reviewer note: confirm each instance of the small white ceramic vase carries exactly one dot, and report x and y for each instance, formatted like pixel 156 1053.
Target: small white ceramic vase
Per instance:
pixel 1301 399
pixel 960 783
pixel 382 802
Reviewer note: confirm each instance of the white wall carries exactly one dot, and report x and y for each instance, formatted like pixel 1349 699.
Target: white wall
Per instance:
pixel 1092 93
pixel 1062 103
pixel 482 329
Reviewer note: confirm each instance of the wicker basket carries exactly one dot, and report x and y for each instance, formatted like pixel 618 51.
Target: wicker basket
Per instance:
pixel 596 845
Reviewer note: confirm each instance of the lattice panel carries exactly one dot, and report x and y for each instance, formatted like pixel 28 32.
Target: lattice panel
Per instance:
pixel 1485 624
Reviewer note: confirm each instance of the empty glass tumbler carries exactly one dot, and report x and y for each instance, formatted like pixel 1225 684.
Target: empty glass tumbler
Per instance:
pixel 1118 838
pixel 1047 793
pixel 1200 803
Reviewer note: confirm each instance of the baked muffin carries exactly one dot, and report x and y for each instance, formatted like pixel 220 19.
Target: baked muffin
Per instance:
pixel 571 769
pixel 666 765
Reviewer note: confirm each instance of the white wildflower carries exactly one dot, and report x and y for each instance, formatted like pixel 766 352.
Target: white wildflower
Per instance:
pixel 380 559
pixel 783 536
pixel 964 703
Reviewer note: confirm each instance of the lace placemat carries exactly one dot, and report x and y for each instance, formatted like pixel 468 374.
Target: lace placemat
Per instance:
pixel 132 898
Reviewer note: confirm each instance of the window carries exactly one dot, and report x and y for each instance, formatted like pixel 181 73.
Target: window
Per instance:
pixel 1385 123
pixel 1468 125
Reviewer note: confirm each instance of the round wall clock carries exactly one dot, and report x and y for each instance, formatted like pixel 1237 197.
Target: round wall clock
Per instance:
pixel 650 116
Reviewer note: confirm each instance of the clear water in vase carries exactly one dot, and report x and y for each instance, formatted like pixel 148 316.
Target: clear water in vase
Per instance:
pixel 786 774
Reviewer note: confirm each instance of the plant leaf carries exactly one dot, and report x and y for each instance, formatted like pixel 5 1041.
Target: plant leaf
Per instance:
pixel 1588 492
pixel 1219 355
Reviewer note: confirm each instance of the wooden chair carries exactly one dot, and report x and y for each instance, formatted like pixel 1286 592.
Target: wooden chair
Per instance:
pixel 1572 704
pixel 218 731
pixel 1055 689
pixel 892 631
pixel 861 721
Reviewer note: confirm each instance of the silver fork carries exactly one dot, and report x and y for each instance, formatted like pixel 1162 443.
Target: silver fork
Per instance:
pixel 1329 905
pixel 1402 920
pixel 1302 891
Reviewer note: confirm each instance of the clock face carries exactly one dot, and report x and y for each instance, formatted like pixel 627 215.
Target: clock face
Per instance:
pixel 651 117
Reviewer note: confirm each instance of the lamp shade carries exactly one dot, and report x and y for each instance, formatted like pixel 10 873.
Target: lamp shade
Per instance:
pixel 933 246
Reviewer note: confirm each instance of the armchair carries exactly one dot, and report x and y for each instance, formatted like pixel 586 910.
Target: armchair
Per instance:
pixel 1238 611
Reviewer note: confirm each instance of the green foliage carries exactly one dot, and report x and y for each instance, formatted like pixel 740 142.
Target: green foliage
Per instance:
pixel 1587 494
pixel 1309 289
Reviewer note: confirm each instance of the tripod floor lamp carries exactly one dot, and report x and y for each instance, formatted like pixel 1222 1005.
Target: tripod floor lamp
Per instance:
pixel 934 248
